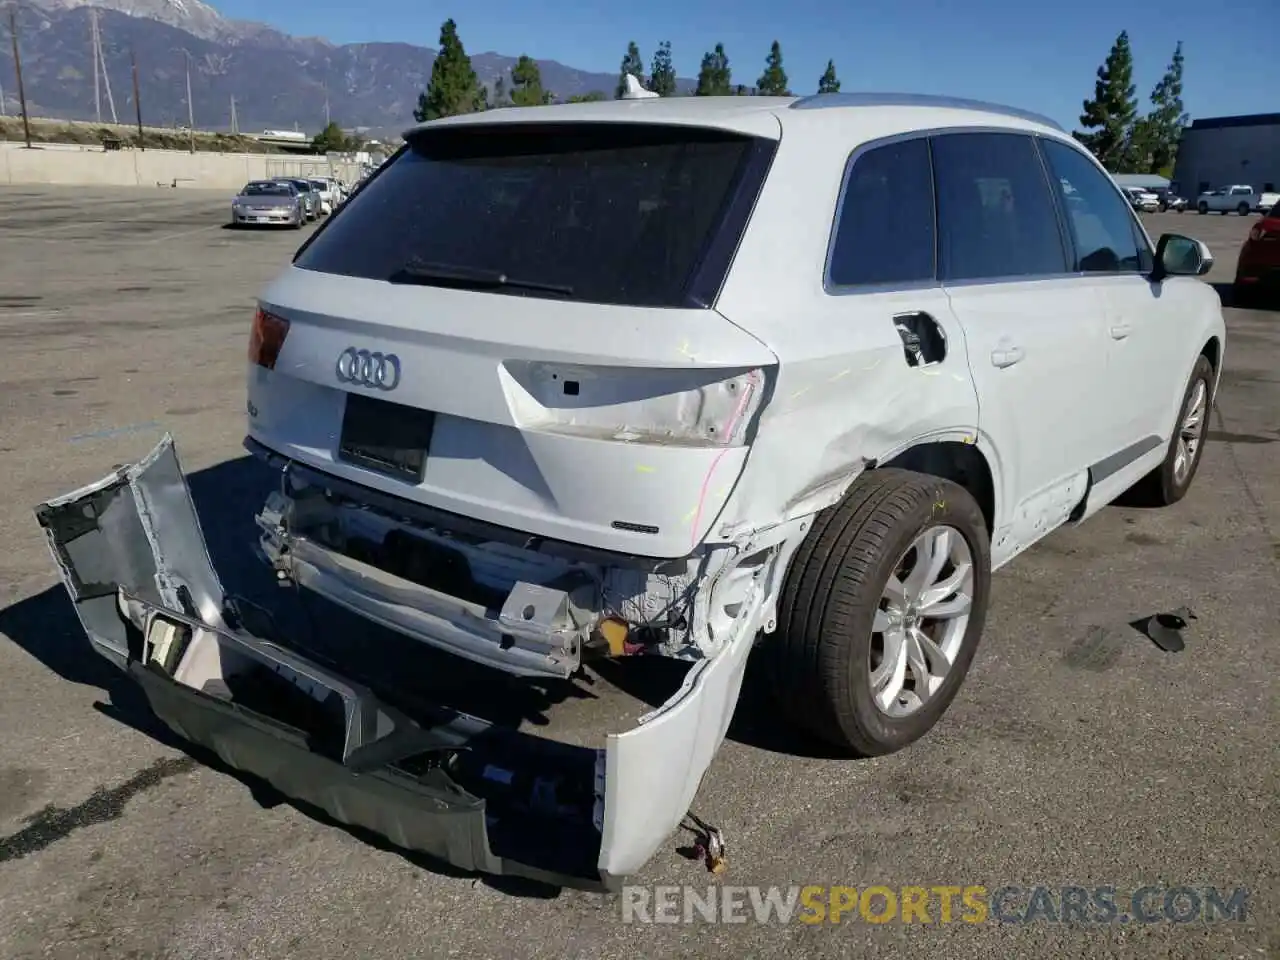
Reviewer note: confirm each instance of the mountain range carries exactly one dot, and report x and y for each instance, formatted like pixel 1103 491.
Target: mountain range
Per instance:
pixel 277 81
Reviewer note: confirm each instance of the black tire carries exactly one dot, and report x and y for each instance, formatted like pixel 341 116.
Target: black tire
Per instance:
pixel 1202 208
pixel 823 644
pixel 1243 209
pixel 1160 487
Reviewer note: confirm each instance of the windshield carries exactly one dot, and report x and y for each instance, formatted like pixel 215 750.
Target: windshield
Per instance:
pixel 607 213
pixel 302 185
pixel 319 185
pixel 266 190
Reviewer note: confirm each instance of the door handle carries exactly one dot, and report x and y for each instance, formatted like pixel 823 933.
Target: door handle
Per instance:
pixel 1006 356
pixel 1121 330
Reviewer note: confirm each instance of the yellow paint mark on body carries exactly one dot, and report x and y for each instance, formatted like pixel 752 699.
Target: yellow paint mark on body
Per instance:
pixel 642 468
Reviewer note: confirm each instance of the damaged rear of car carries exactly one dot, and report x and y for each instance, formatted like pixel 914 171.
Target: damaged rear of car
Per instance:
pixel 668 378
pixel 504 415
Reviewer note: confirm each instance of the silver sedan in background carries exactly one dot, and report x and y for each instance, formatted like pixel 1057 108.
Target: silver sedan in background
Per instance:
pixel 268 202
pixel 308 193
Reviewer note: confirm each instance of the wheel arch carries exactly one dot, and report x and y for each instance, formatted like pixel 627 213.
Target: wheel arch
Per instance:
pixel 961 463
pixel 1212 351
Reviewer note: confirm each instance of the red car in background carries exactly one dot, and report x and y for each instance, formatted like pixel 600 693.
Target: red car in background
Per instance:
pixel 1258 269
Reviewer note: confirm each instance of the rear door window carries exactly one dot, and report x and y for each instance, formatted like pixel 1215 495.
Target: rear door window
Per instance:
pixel 885 226
pixel 607 213
pixel 996 215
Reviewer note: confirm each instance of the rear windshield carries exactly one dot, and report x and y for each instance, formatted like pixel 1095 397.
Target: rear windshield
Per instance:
pixel 603 213
pixel 267 190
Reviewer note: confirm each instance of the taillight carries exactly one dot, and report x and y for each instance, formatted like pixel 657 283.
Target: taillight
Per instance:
pixel 698 408
pixel 1266 230
pixel 267 338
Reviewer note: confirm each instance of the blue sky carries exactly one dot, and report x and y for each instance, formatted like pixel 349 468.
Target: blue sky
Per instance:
pixel 1034 55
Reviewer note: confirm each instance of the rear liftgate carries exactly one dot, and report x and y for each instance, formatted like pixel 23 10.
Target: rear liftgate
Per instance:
pixel 133 558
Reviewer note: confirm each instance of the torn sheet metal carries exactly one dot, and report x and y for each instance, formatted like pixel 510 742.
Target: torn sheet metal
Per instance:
pixel 133 559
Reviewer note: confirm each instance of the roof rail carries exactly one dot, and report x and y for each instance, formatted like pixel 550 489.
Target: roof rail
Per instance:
pixel 819 101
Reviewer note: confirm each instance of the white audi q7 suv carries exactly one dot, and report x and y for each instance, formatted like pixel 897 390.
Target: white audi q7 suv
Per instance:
pixel 659 377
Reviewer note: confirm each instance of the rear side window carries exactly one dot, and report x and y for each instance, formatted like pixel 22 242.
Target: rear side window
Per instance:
pixel 1105 235
pixel 603 213
pixel 996 216
pixel 885 225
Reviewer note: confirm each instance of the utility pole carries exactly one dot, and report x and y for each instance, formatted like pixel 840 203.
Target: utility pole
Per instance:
pixel 137 101
pixel 17 66
pixel 93 35
pixel 191 114
pixel 3 113
pixel 235 127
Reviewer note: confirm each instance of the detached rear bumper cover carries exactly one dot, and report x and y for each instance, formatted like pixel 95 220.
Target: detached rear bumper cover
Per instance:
pixel 132 556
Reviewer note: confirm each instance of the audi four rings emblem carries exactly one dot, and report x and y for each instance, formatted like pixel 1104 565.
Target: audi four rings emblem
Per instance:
pixel 380 371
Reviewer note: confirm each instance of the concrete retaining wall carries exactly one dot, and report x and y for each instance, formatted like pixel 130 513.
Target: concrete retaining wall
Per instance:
pixel 74 165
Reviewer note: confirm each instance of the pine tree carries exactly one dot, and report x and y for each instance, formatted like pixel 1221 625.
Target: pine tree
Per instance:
pixel 454 87
pixel 332 140
pixel 631 64
pixel 1162 127
pixel 714 79
pixel 829 82
pixel 526 84
pixel 662 73
pixel 1108 119
pixel 773 82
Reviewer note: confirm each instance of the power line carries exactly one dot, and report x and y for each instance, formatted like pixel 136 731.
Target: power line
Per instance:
pixel 106 80
pixel 191 115
pixel 93 56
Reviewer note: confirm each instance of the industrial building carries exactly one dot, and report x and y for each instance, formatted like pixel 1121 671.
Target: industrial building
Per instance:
pixel 1220 151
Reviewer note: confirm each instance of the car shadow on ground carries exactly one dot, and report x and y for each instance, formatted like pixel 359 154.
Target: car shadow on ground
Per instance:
pixel 226 497
pixel 1229 297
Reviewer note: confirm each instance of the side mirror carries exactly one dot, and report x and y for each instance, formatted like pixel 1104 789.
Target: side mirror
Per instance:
pixel 1179 256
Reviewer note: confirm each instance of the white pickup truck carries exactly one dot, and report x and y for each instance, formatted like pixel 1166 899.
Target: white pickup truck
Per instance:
pixel 1241 198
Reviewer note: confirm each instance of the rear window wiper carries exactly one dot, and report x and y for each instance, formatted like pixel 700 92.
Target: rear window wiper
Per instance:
pixel 468 278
